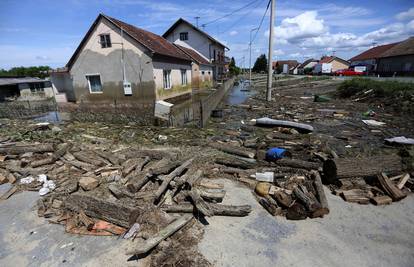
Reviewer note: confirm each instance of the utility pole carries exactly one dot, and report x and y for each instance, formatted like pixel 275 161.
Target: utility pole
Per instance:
pixel 250 58
pixel 269 69
pixel 197 18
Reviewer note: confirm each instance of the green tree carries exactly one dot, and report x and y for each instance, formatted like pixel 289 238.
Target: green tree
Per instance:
pixel 233 69
pixel 260 64
pixel 39 71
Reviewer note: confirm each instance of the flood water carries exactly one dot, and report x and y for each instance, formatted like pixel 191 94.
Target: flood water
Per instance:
pixel 240 93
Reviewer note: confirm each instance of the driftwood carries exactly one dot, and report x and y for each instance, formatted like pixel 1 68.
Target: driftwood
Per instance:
pixel 160 236
pixel 218 209
pixel 119 214
pixel 282 198
pixel 79 164
pixel 58 154
pixel 296 212
pixel 339 168
pixel 304 128
pixel 296 163
pixel 119 191
pixel 108 156
pixel 234 150
pixel 392 190
pixel 270 205
pixel 310 204
pixel 20 149
pixel 235 163
pixel 84 157
pixel 168 178
pixel 212 195
pixel 199 203
pixel 320 194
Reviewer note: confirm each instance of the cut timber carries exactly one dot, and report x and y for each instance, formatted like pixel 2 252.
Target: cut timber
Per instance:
pixel 160 236
pixel 119 214
pixel 339 168
pixel 301 127
pixel 233 150
pixel 382 200
pixel 108 156
pixel 58 154
pixel 178 171
pixel 403 180
pixel 296 212
pixel 21 149
pixel 218 209
pixel 199 203
pixel 270 205
pixel 88 222
pixel 320 194
pixel 282 198
pixel 296 163
pixel 310 204
pixel 355 196
pixel 212 195
pixel 9 193
pixel 207 183
pixel 119 191
pixel 84 157
pixel 235 163
pixel 393 191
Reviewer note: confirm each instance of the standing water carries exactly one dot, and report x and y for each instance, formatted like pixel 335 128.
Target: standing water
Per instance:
pixel 240 93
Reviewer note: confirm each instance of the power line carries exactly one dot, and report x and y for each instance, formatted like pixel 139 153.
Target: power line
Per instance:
pixel 231 13
pixel 261 21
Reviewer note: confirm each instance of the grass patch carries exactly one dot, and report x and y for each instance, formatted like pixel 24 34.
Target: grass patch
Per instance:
pixel 381 88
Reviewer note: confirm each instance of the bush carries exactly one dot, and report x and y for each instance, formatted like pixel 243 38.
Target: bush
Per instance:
pixel 381 88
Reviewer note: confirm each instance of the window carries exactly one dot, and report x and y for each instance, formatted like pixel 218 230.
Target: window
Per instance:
pixel 167 79
pixel 94 82
pixel 214 54
pixel 209 73
pixel 202 72
pixel 105 41
pixel 184 36
pixel 36 87
pixel 183 77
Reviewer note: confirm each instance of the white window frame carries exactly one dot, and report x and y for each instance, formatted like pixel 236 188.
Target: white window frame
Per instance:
pixel 184 80
pixel 166 83
pixel 89 83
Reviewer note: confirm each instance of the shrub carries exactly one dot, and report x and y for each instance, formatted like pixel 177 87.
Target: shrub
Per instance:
pixel 381 88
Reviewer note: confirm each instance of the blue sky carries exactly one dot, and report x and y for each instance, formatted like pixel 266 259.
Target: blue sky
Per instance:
pixel 48 32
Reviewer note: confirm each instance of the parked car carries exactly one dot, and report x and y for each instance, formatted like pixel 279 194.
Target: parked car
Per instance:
pixel 349 72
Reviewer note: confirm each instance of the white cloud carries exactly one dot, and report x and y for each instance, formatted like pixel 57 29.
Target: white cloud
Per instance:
pixel 406 15
pixel 295 55
pixel 233 33
pixel 278 52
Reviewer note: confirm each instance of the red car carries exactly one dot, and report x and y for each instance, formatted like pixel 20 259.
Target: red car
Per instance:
pixel 348 72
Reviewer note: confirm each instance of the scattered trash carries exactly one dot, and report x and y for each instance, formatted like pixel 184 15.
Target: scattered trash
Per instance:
pixel 132 231
pixel 43 191
pixel 321 98
pixel 162 137
pixel 369 113
pixel 27 180
pixel 271 122
pixel 275 153
pixel 373 123
pixel 400 140
pixel 264 176
pixel 66 245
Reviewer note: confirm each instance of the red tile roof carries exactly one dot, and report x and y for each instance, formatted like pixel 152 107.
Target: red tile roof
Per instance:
pixel 194 55
pixel 374 52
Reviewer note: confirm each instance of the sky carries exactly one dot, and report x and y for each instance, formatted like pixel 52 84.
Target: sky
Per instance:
pixel 47 32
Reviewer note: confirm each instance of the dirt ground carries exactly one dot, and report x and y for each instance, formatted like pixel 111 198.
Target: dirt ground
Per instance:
pixel 350 235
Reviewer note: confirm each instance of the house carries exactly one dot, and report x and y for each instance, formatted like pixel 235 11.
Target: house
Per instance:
pixel 307 66
pixel 201 70
pixel 330 64
pixel 118 63
pixel 398 60
pixel 25 89
pixel 187 35
pixel 370 57
pixel 284 66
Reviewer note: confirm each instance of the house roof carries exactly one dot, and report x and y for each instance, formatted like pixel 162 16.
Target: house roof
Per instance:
pixel 194 55
pixel 181 20
pixel 153 42
pixel 329 59
pixel 290 63
pixel 18 80
pixel 373 53
pixel 307 62
pixel 401 49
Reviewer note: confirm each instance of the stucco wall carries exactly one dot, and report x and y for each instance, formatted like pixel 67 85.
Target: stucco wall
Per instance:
pixel 62 83
pixel 27 94
pixel 337 65
pixel 107 62
pixel 177 88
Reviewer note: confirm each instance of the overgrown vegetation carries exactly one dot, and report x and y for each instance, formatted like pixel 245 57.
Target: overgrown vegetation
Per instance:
pixel 380 88
pixel 233 69
pixel 39 71
pixel 260 64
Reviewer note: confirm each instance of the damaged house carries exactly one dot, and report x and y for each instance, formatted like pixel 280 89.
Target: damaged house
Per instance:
pixel 25 89
pixel 118 63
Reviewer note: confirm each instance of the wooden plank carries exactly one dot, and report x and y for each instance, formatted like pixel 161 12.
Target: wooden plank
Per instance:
pixel 320 194
pixel 160 236
pixel 218 209
pixel 392 190
pixel 382 200
pixel 403 180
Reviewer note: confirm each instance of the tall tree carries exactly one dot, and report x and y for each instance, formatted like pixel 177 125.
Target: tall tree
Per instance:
pixel 233 69
pixel 260 64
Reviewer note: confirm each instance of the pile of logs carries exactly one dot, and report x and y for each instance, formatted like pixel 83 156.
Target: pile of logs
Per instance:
pixel 102 192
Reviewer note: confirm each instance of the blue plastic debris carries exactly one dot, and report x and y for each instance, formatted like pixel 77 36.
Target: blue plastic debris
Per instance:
pixel 275 153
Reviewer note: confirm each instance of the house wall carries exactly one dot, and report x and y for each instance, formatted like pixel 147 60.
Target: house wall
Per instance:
pixel 310 65
pixel 401 65
pixel 177 88
pixel 27 94
pixel 107 62
pixel 338 65
pixel 62 83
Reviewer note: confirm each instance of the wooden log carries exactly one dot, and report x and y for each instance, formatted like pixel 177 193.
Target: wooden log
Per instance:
pixel 212 195
pixel 218 209
pixel 320 194
pixel 270 205
pixel 355 196
pixel 113 212
pixel 235 163
pixel 296 212
pixel 80 165
pixel 178 171
pixel 194 179
pixel 83 157
pixel 301 127
pixel 160 236
pixel 9 193
pixel 199 203
pixel 83 218
pixel 58 154
pixel 233 150
pixel 392 190
pixel 296 163
pixel 339 168
pixel 282 198
pixel 21 148
pixel 310 204
pixel 207 183
pixel 119 191
pixel 108 156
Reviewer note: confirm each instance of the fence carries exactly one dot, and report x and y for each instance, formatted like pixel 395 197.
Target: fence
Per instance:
pixel 27 109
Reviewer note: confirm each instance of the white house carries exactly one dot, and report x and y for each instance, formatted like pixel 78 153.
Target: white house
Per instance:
pixel 187 35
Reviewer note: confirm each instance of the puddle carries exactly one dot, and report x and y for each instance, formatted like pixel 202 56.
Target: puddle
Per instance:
pixel 53 117
pixel 240 93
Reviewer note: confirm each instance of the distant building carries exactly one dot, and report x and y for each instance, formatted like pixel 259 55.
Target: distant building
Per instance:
pixel 186 34
pixel 398 60
pixel 118 63
pixel 25 89
pixel 307 66
pixel 285 66
pixel 370 57
pixel 330 64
